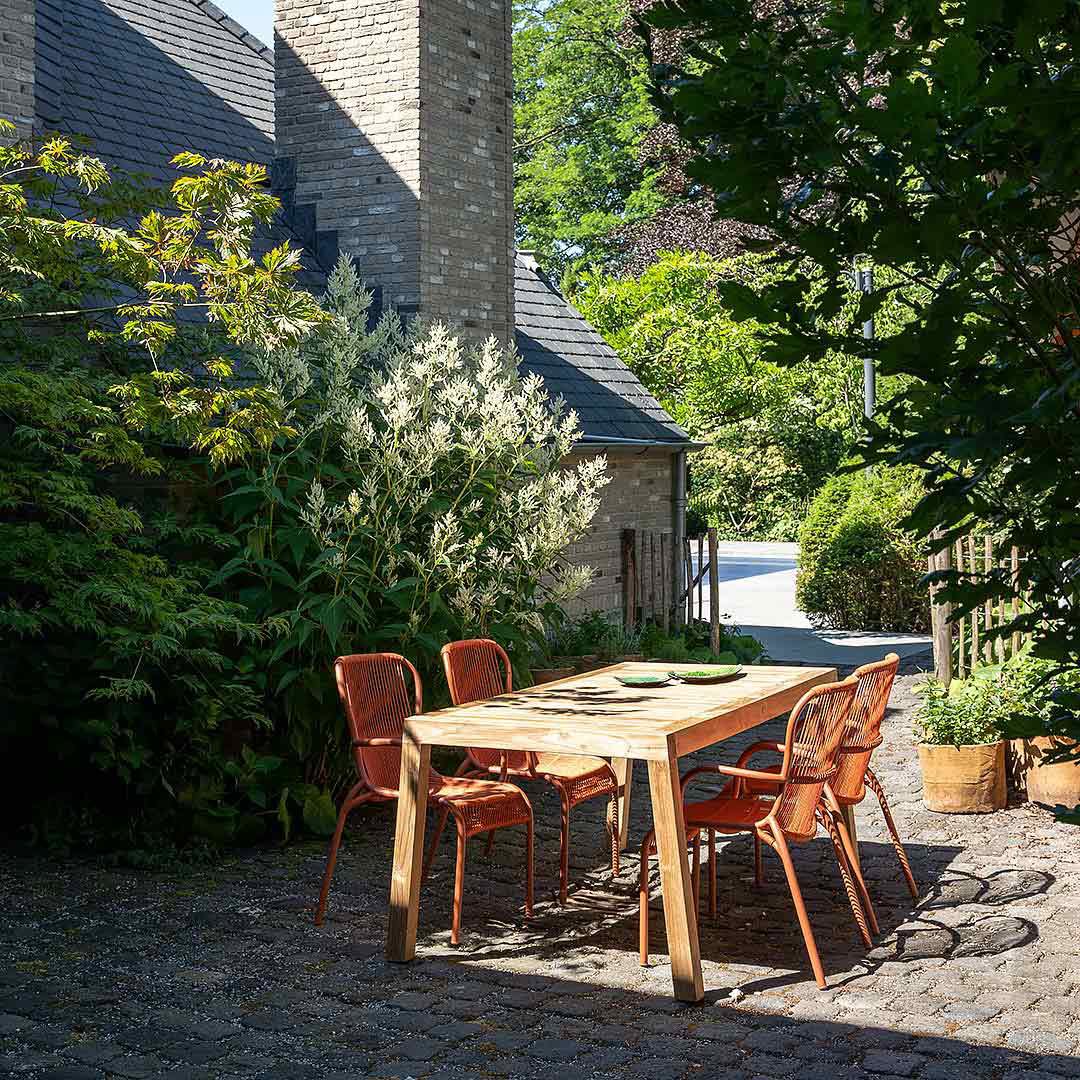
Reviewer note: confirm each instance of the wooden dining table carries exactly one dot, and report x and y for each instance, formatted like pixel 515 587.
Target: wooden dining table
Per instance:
pixel 595 714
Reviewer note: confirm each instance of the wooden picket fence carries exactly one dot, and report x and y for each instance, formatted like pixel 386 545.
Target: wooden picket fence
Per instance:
pixel 663 587
pixel 966 642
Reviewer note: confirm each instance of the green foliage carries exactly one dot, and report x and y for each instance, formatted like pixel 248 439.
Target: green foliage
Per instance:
pixel 422 500
pixel 970 712
pixel 937 153
pixel 125 682
pixel 597 634
pixel 581 116
pixel 774 433
pixel 77 271
pixel 859 568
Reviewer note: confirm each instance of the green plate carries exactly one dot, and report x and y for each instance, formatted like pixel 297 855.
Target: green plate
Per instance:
pixel 643 680
pixel 708 675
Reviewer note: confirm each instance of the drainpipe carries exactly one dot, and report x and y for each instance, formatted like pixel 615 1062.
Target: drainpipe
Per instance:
pixel 678 531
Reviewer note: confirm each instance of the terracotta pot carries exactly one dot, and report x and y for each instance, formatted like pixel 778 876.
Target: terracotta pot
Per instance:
pixel 550 674
pixel 1050 785
pixel 631 658
pixel 963 779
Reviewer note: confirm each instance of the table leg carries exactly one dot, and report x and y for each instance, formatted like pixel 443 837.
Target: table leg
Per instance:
pixel 624 774
pixel 680 916
pixel 408 849
pixel 848 812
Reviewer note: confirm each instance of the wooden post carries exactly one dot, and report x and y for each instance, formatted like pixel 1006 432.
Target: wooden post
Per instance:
pixel 665 595
pixel 988 619
pixel 629 572
pixel 688 573
pixel 700 566
pixel 962 622
pixel 714 594
pixel 941 627
pixel 972 568
pixel 1016 597
pixel 652 576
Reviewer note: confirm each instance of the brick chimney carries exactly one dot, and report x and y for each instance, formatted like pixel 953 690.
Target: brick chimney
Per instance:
pixel 394 123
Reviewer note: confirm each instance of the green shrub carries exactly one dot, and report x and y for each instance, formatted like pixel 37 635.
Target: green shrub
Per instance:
pixel 858 568
pixel 971 711
pixel 603 635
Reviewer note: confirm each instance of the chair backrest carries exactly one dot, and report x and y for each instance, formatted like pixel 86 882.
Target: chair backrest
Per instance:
pixel 863 732
pixel 476 670
pixel 811 749
pixel 379 691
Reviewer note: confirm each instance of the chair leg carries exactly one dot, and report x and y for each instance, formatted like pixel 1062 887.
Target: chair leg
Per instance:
pixel 350 803
pixel 459 884
pixel 613 812
pixel 643 902
pixel 800 907
pixel 564 848
pixel 712 873
pixel 490 843
pixel 852 858
pixel 843 862
pixel 759 874
pixel 874 785
pixel 440 824
pixel 529 866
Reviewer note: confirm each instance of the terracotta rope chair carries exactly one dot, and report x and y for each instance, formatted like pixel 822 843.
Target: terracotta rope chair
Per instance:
pixel 375 693
pixel 853 772
pixel 863 736
pixel 480 669
pixel 798 800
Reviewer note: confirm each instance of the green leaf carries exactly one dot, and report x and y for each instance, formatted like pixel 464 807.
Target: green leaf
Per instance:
pixel 320 815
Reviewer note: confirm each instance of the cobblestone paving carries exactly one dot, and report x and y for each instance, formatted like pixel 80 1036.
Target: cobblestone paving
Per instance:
pixel 220 973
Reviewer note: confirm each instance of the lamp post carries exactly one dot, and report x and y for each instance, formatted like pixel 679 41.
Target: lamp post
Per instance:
pixel 864 280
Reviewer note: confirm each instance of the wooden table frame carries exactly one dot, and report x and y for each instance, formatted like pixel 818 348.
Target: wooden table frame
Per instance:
pixel 594 714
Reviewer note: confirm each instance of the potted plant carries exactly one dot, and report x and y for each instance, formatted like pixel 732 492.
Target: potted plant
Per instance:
pixel 1044 698
pixel 961 751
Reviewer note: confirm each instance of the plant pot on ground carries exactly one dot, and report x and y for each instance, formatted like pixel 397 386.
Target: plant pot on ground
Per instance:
pixel 541 675
pixel 1051 783
pixel 961 752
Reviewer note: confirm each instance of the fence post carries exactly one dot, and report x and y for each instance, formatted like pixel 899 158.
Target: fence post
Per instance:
pixel 629 576
pixel 941 626
pixel 714 594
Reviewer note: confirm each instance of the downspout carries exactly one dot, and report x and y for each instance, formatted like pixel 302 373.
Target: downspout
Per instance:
pixel 678 531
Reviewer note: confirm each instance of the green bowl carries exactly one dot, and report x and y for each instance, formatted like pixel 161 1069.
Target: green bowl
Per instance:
pixel 708 675
pixel 644 680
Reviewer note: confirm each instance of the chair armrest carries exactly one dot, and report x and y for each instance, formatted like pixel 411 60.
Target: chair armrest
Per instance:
pixel 357 743
pixel 733 771
pixel 758 748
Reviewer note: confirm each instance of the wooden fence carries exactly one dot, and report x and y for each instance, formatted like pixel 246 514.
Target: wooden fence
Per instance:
pixel 667 587
pixel 966 642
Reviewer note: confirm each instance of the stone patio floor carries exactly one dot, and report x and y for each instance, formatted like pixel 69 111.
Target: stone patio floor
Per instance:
pixel 220 973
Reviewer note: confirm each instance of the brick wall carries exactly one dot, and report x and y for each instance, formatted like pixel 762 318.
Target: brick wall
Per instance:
pixel 397 116
pixel 638 497
pixel 17 69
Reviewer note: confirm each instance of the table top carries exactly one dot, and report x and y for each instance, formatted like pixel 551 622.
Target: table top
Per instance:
pixel 595 714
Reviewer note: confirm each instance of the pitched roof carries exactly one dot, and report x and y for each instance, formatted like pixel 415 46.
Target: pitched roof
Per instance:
pixel 148 78
pixel 556 342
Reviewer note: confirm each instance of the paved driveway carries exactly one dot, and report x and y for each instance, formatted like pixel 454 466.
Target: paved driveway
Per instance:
pixel 217 971
pixel 757 591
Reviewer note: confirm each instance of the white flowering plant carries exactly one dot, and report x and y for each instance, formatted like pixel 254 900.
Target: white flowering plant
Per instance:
pixel 424 497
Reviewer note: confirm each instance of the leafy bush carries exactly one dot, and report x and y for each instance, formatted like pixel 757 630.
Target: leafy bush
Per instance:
pixel 122 669
pixel 601 635
pixel 420 499
pixel 858 568
pixel 970 712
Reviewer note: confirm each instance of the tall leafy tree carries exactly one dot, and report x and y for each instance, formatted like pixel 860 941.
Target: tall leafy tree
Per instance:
pixel 581 117
pixel 927 137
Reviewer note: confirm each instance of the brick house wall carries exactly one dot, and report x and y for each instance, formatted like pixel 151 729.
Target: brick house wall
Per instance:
pixel 17 74
pixel 638 497
pixel 397 118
